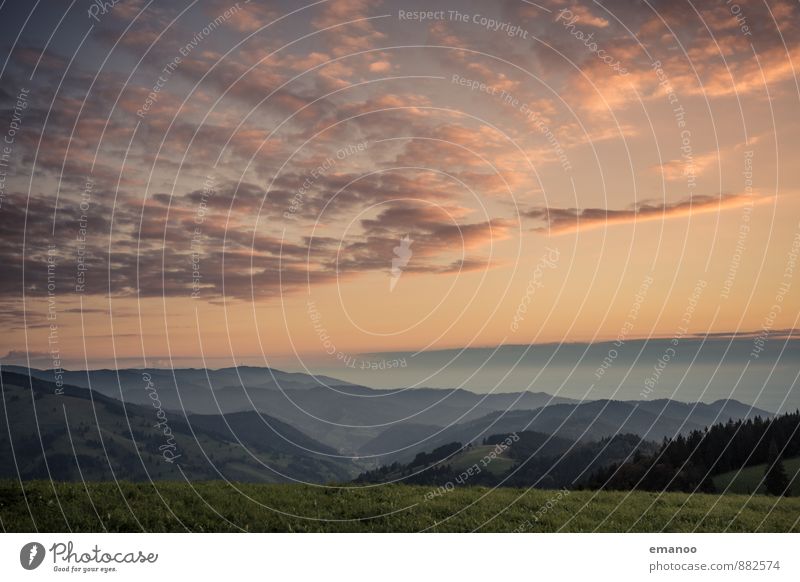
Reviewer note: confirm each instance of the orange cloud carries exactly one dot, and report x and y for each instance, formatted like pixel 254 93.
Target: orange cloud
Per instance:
pixel 678 169
pixel 380 66
pixel 585 16
pixel 568 220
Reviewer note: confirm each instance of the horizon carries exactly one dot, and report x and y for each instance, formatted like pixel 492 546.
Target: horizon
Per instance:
pixel 570 400
pixel 35 360
pixel 699 370
pixel 403 203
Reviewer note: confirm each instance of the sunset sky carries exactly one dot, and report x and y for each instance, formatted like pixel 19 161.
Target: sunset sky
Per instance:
pixel 212 183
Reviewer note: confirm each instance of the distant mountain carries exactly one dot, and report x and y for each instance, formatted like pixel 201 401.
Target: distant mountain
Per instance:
pixel 73 433
pixel 344 416
pixel 652 420
pixel 192 382
pixel 586 421
pixel 382 426
pixel 254 429
pixel 400 436
pixel 284 427
pixel 717 365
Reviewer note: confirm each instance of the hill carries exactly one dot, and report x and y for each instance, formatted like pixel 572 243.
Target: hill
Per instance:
pixel 72 433
pixel 383 426
pixel 344 416
pixel 651 420
pixel 690 462
pixel 585 421
pixel 524 459
pixel 749 480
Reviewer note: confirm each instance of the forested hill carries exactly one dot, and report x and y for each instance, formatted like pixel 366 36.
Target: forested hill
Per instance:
pixel 687 463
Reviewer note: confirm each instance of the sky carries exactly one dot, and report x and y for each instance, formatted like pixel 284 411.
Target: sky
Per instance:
pixel 277 183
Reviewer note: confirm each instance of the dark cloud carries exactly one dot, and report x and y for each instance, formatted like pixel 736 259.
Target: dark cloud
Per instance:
pixel 773 334
pixel 437 233
pixel 157 249
pixel 564 220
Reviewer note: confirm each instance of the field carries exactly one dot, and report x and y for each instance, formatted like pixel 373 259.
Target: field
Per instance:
pixel 746 480
pixel 497 465
pixel 216 506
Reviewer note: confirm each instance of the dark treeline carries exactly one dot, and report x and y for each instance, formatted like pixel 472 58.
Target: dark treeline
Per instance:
pixel 687 463
pixel 540 461
pixel 425 469
pixel 436 456
pixel 574 465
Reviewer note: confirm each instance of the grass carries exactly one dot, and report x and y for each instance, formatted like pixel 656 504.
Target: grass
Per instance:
pixel 216 506
pixel 497 465
pixel 748 479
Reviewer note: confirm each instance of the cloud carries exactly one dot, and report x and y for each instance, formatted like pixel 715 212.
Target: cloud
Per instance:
pixel 583 15
pixel 251 17
pixel 13 317
pixel 773 334
pixel 357 35
pixel 568 220
pixel 155 246
pixel 679 169
pixel 441 238
pixel 721 60
pixel 337 195
pixel 147 250
pixel 380 66
pixel 25 358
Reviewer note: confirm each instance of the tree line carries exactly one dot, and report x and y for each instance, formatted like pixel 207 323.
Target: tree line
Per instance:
pixel 689 462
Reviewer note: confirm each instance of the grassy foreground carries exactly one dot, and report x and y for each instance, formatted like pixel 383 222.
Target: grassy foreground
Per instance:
pixel 216 506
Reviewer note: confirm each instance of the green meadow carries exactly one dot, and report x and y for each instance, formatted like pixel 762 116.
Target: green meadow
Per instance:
pixel 749 479
pixel 223 507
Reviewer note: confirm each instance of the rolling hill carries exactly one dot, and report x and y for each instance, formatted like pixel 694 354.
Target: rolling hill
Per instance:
pixel 586 421
pixel 344 416
pixel 81 434
pixel 283 426
pixel 749 480
pixel 522 459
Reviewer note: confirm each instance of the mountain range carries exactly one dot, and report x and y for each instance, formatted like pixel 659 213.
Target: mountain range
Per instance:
pixel 260 424
pixel 70 433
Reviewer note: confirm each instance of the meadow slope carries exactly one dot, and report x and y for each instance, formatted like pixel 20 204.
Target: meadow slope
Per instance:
pixel 216 506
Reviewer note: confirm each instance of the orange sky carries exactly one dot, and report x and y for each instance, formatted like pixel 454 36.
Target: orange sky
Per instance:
pixel 253 207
